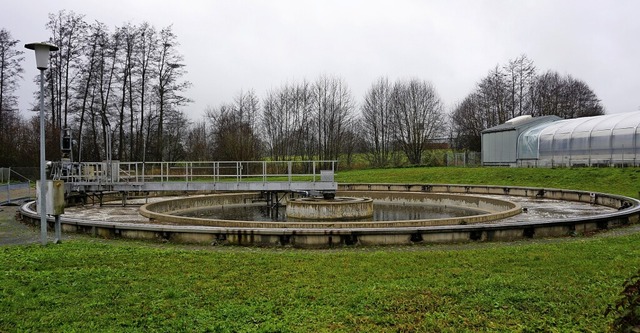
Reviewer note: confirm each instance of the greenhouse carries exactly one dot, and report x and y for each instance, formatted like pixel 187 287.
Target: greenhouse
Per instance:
pixel 609 140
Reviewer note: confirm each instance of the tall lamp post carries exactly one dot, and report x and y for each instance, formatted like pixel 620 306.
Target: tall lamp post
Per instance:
pixel 42 62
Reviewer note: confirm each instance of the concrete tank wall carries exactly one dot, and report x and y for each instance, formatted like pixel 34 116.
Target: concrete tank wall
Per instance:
pixel 490 209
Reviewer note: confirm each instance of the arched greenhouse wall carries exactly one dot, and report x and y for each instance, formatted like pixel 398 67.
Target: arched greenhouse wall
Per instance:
pixel 609 140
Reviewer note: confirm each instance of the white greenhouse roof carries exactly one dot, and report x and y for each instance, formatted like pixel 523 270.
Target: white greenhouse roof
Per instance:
pixel 607 139
pixel 591 124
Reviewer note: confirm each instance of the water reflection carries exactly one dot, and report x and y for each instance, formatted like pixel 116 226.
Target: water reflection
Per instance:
pixel 381 212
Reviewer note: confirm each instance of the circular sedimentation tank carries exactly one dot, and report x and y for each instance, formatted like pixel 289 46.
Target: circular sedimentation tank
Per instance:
pixel 163 221
pixel 309 213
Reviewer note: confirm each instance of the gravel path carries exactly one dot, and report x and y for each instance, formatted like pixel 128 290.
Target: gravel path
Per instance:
pixel 12 232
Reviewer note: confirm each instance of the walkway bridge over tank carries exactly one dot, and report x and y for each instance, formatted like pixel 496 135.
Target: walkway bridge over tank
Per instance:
pixel 316 177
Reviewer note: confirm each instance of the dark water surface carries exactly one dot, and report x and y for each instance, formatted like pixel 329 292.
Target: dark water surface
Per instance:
pixel 381 212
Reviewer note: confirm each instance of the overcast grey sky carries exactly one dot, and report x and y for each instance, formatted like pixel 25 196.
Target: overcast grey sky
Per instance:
pixel 250 44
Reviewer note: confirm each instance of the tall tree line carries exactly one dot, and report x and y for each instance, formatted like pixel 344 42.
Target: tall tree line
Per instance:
pixel 119 89
pixel 10 74
pixel 18 145
pixel 122 90
pixel 404 117
pixel 302 120
pixel 517 89
pixel 319 120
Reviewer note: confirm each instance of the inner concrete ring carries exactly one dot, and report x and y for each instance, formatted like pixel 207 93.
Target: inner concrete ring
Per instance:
pixel 489 209
pixel 336 208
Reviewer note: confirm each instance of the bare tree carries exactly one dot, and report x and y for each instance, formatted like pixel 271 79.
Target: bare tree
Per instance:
pixel 169 85
pixel 247 108
pixel 124 88
pixel 468 121
pixel 494 97
pixel 377 121
pixel 234 128
pixel 275 123
pixel 565 97
pixel 197 143
pixel 104 99
pixel 146 56
pixel 506 92
pixel 286 119
pixel 128 35
pixel 229 133
pixel 176 125
pixel 68 31
pixel 580 100
pixel 10 74
pixel 332 109
pixel 520 74
pixel 87 83
pixel 352 142
pixel 417 117
pixel 548 88
pixel 515 90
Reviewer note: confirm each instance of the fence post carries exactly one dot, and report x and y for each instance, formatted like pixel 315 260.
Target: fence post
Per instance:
pixel 264 171
pixel 9 186
pixel 8 193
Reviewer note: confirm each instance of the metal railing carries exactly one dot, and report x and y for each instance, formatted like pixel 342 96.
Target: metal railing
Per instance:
pixel 13 187
pixel 9 193
pixel 190 171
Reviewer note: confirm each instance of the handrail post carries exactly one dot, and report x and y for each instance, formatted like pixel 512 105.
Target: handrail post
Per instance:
pixel 8 186
pixel 313 168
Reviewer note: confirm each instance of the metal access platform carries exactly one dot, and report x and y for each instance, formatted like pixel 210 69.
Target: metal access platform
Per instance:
pixel 266 176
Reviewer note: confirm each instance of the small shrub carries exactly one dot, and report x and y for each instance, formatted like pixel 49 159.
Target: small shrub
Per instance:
pixel 626 310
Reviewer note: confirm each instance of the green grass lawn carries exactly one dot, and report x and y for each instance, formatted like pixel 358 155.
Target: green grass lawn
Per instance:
pixel 558 285
pixel 624 181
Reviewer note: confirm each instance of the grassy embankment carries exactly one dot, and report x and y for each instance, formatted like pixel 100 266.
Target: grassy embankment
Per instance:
pixel 624 181
pixel 558 285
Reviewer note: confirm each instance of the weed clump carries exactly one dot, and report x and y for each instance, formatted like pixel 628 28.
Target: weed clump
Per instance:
pixel 626 310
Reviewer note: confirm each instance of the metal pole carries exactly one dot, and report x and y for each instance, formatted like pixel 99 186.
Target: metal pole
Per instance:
pixel 58 232
pixel 43 178
pixel 8 185
pixel 109 175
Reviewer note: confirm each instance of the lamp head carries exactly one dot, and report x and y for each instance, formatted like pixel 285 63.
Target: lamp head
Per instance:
pixel 42 53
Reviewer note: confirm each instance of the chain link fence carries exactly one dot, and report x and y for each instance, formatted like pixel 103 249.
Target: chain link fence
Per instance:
pixel 464 159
